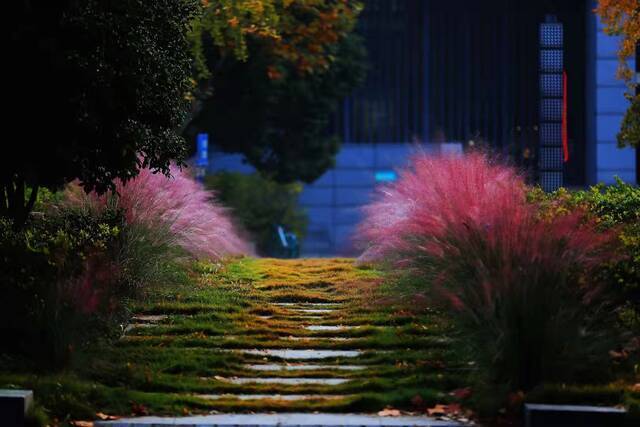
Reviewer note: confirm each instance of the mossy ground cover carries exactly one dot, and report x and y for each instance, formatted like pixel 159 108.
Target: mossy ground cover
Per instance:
pixel 192 349
pixel 173 363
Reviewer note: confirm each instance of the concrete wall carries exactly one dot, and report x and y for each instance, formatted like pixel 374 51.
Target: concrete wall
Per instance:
pixel 605 109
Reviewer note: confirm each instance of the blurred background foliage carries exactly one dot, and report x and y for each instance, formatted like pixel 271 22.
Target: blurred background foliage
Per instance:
pixel 269 76
pixel 260 205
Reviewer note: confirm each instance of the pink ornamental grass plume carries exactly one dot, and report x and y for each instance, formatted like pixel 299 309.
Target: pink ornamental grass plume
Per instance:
pixel 434 194
pixel 200 225
pixel 516 281
pixel 195 220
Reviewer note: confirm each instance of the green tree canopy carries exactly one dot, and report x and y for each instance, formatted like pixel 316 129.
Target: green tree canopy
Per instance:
pixel 97 90
pixel 273 79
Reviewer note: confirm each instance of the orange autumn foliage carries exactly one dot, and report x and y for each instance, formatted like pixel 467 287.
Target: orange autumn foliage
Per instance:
pixel 301 32
pixel 622 17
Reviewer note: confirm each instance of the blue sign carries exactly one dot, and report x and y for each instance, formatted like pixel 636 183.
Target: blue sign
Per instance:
pixel 386 176
pixel 202 156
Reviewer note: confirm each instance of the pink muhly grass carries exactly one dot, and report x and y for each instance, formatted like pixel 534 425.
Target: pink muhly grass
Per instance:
pixel 200 224
pixel 468 207
pixel 508 275
pixel 196 221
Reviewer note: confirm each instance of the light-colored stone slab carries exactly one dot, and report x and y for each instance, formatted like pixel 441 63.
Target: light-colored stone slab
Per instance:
pixel 16 401
pixel 307 304
pixel 150 317
pixel 301 354
pixel 287 381
pixel 302 367
pixel 288 397
pixel 280 420
pixel 329 328
pixel 318 338
pixel 313 310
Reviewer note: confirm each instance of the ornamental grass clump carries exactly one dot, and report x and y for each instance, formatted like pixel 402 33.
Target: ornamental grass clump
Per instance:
pixel 515 282
pixel 182 212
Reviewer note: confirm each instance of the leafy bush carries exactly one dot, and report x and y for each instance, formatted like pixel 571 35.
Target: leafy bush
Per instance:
pixel 66 276
pixel 615 207
pixel 56 283
pixel 517 284
pixel 260 205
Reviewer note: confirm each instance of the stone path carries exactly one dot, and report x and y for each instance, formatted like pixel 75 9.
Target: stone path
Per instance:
pixel 281 420
pixel 337 355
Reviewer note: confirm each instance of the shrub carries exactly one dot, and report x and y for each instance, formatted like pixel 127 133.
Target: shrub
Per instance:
pixel 260 205
pixel 515 283
pixel 615 207
pixel 179 208
pixel 67 275
pixel 57 287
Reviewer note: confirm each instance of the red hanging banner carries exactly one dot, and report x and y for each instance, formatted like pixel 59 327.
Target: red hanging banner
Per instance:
pixel 565 132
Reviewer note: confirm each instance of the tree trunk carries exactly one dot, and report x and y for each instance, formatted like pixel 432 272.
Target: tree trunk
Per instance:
pixel 13 202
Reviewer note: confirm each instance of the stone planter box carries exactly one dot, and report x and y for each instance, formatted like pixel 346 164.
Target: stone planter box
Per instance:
pixel 14 405
pixel 539 415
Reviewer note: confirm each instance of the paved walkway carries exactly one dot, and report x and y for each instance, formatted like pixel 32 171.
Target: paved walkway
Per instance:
pixel 282 420
pixel 326 346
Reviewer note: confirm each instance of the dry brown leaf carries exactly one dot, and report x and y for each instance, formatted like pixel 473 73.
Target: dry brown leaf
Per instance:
pixel 389 412
pixel 438 410
pixel 104 416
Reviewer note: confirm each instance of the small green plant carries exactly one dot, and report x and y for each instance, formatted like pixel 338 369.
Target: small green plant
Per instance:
pixel 56 283
pixel 614 207
pixel 260 205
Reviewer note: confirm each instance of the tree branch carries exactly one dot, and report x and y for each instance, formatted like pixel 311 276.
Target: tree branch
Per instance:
pixel 32 199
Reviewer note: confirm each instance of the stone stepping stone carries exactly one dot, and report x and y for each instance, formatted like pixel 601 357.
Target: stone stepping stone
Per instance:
pixel 307 304
pixel 150 318
pixel 313 310
pixel 301 367
pixel 328 328
pixel 288 397
pixel 319 338
pixel 280 420
pixel 287 381
pixel 301 354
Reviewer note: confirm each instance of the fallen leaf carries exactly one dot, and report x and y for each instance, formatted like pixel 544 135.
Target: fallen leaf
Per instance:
pixel 82 423
pixel 104 416
pixel 389 412
pixel 438 410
